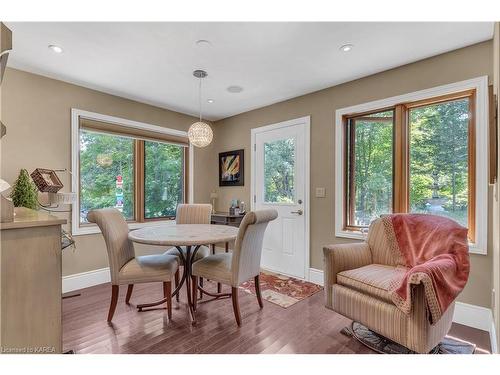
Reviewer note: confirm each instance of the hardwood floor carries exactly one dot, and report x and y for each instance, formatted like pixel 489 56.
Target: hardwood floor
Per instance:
pixel 306 327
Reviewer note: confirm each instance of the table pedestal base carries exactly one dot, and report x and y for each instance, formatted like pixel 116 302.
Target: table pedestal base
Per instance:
pixel 186 278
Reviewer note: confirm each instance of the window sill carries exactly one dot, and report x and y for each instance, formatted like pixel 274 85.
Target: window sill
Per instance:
pixel 473 247
pixel 94 229
pixel 354 235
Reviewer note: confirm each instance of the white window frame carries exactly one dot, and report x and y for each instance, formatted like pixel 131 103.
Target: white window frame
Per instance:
pixel 480 84
pixel 76 114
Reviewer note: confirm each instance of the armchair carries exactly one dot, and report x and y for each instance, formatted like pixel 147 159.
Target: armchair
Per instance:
pixel 357 285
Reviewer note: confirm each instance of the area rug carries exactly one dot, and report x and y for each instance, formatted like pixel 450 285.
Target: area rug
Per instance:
pixel 380 344
pixel 282 290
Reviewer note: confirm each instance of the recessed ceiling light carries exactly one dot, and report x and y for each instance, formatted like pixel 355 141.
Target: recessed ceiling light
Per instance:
pixel 203 43
pixel 210 101
pixel 235 89
pixel 346 47
pixel 56 48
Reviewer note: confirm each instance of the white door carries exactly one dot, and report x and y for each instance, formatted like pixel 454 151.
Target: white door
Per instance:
pixel 280 178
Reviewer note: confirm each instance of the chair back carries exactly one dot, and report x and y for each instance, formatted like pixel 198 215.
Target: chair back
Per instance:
pixel 115 230
pixel 193 214
pixel 380 246
pixel 248 245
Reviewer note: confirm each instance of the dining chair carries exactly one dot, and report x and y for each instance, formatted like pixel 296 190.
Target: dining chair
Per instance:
pixel 242 264
pixel 124 266
pixel 191 214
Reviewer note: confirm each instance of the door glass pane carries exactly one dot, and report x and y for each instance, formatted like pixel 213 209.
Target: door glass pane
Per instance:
pixel 164 179
pixel 279 171
pixel 369 167
pixel 106 173
pixel 439 169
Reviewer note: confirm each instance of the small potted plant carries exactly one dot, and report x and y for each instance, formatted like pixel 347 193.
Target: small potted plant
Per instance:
pixel 24 192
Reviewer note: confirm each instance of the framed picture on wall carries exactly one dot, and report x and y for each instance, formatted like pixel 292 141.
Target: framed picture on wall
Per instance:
pixel 231 168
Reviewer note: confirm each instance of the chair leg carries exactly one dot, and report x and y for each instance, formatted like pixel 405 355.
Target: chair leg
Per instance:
pixel 236 306
pixel 177 276
pixel 219 288
pixel 114 300
pixel 201 284
pixel 194 288
pixel 129 293
pixel 257 291
pixel 167 293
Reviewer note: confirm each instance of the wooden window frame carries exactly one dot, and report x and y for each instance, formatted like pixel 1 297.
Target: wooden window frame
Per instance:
pixel 139 169
pixel 401 159
pixel 349 142
pixel 140 132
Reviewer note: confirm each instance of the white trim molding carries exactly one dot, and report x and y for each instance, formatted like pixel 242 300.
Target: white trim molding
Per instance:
pixel 476 317
pixel 316 276
pixel 480 84
pixel 82 280
pixel 76 114
pixel 306 120
pixel 466 314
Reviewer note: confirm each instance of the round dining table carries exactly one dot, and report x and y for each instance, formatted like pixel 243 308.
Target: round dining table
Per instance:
pixel 190 236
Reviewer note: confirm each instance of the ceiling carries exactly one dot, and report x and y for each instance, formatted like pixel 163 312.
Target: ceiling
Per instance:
pixel 272 62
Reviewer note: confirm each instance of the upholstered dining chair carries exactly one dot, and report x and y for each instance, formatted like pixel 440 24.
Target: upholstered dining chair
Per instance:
pixel 124 266
pixel 242 264
pixel 191 214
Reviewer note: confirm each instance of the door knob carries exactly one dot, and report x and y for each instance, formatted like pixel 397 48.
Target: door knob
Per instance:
pixel 298 212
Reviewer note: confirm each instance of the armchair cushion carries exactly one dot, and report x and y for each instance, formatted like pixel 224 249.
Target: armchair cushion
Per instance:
pixel 383 250
pixel 373 280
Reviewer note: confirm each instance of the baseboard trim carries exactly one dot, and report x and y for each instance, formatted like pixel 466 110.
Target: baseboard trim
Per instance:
pixel 469 315
pixel 316 276
pixel 85 279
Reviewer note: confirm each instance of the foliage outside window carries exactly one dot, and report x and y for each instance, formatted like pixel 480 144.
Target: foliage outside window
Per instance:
pixel 145 180
pixel 439 159
pixel 164 180
pixel 415 157
pixel 370 164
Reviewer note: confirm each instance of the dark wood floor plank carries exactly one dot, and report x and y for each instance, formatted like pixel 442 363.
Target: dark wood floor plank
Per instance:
pixel 306 327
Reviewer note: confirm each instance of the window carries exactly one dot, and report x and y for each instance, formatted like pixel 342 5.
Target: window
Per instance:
pixel 141 170
pixel 164 179
pixel 106 173
pixel 369 147
pixel 414 153
pixel 441 169
pixel 279 171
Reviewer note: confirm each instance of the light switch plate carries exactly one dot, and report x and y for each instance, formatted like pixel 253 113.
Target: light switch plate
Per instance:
pixel 320 192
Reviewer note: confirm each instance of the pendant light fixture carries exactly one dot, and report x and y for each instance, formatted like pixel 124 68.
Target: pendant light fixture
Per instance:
pixel 200 133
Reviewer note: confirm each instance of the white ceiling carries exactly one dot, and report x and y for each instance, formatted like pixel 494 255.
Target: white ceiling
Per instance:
pixel 153 62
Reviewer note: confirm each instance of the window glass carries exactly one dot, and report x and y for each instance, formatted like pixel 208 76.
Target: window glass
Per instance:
pixel 439 165
pixel 369 167
pixel 163 185
pixel 279 171
pixel 106 173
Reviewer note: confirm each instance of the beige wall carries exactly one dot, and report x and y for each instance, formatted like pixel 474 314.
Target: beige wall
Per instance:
pixel 234 133
pixel 36 111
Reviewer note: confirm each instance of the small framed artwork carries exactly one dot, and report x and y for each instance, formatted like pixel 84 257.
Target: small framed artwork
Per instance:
pixel 231 168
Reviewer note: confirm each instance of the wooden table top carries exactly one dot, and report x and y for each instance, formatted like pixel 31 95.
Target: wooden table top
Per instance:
pixel 184 234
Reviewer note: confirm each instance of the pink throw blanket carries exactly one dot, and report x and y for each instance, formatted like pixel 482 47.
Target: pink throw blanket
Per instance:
pixel 435 252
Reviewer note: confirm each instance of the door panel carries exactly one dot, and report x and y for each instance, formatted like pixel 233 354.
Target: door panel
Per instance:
pixel 279 182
